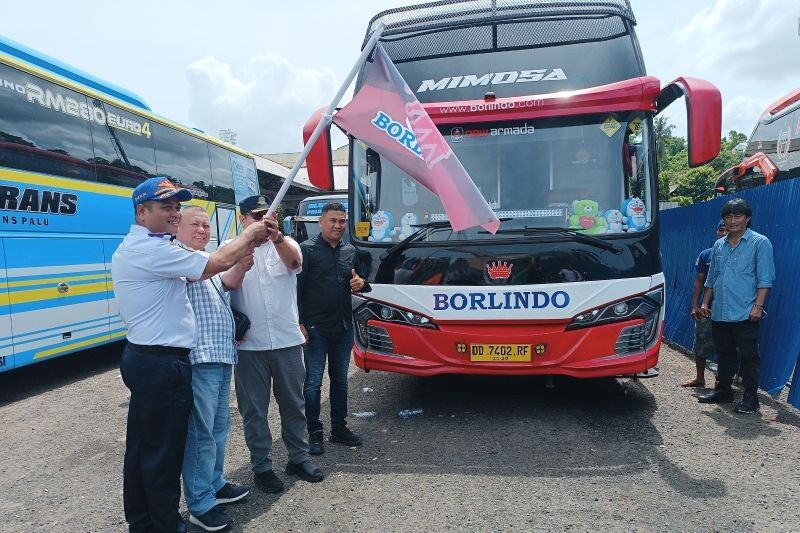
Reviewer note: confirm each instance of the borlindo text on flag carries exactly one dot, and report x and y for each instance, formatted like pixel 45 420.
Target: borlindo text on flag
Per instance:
pixel 387 116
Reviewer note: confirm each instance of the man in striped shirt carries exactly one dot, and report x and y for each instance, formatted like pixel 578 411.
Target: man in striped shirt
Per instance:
pixel 212 362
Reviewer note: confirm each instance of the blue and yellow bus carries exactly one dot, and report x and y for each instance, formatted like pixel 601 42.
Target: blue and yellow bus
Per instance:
pixel 71 149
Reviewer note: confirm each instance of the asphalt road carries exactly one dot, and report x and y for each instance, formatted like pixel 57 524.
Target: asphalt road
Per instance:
pixel 486 455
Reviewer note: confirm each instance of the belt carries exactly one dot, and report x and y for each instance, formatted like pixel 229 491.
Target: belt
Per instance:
pixel 159 350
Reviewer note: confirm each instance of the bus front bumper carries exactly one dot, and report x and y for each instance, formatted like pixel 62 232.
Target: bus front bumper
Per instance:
pixel 599 351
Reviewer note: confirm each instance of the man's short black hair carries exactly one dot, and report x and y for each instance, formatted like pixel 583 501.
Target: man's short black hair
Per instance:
pixel 333 206
pixel 737 206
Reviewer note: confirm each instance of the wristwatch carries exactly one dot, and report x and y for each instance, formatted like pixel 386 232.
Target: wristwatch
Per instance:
pixel 279 239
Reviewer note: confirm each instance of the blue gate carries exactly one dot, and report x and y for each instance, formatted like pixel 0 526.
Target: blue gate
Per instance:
pixel 685 231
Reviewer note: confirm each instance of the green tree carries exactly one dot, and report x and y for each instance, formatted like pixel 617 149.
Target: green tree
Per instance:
pixel 679 183
pixel 663 131
pixel 697 184
pixel 727 156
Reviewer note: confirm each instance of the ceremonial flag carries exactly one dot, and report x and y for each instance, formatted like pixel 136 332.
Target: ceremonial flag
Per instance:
pixel 387 116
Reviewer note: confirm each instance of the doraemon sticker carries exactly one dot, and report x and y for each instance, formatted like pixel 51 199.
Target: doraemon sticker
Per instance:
pixel 634 213
pixel 614 219
pixel 610 126
pixel 407 225
pixel 382 226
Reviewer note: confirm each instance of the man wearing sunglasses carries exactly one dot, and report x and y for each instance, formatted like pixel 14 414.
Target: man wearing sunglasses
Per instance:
pixel 271 353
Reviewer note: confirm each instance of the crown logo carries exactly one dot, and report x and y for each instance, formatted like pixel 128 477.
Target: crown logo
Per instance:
pixel 499 270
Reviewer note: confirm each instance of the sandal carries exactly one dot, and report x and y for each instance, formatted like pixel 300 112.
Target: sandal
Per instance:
pixel 694 383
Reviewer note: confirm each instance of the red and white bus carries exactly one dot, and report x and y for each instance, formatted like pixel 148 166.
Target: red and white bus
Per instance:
pixel 549 108
pixel 770 154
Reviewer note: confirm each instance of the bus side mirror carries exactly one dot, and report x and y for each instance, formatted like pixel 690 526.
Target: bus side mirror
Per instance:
pixel 319 162
pixel 703 113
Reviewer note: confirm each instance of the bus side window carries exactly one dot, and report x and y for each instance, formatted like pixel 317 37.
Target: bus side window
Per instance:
pixel 122 156
pixel 183 158
pixel 222 175
pixel 41 127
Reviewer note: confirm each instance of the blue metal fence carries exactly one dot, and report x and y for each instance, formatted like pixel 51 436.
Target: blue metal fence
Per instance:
pixel 685 231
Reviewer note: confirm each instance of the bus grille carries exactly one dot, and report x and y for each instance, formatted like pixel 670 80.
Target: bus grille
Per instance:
pixel 634 338
pixel 378 339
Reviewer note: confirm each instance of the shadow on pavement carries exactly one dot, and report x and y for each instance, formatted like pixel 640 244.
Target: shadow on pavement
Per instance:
pixel 496 427
pixel 25 382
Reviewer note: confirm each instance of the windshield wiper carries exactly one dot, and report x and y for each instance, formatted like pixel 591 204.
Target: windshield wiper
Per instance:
pixel 434 225
pixel 575 235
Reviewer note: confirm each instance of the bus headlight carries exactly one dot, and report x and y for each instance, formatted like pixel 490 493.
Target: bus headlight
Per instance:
pixel 646 306
pixel 365 310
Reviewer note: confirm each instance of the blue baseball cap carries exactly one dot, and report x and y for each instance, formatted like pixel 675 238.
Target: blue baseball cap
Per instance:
pixel 720 224
pixel 159 188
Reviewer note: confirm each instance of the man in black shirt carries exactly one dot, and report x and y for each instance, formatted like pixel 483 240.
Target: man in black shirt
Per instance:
pixel 326 320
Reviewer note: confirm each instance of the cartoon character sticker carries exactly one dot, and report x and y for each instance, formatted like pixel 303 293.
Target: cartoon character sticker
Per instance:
pixel 614 220
pixel 407 223
pixel 382 227
pixel 634 213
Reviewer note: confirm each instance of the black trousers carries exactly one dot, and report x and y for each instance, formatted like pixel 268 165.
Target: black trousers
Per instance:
pixel 158 418
pixel 730 336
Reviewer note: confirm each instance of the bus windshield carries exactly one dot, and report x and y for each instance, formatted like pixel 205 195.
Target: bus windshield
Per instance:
pixel 589 173
pixel 305 225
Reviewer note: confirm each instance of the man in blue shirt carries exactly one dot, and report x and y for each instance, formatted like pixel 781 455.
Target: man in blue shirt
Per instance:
pixel 703 340
pixel 741 273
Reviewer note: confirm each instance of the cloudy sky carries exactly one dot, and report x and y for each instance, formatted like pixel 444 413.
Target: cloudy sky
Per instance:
pixel 261 67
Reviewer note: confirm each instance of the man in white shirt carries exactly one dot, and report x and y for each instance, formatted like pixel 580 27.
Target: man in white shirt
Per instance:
pixel 149 272
pixel 271 354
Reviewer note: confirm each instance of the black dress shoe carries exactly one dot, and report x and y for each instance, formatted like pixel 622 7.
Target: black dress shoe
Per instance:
pixel 721 395
pixel 269 482
pixel 306 471
pixel 315 444
pixel 749 403
pixel 345 436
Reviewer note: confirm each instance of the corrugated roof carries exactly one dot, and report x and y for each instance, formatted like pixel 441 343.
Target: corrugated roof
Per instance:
pixel 283 162
pixel 340 157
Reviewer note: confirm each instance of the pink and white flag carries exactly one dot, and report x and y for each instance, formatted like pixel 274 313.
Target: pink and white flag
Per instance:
pixel 387 116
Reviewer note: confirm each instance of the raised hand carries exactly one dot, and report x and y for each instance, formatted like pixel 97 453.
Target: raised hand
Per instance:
pixel 356 282
pixel 246 262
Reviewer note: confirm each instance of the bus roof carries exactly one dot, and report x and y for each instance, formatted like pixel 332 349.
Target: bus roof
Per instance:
pixel 50 69
pixel 450 13
pixel 784 103
pixel 34 57
pixel 324 197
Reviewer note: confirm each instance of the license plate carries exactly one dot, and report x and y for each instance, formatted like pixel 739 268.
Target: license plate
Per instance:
pixel 502 353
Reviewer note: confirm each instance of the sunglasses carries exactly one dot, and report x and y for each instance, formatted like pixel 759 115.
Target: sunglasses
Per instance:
pixel 257 216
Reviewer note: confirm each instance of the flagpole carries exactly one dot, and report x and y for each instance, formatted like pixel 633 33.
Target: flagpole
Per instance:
pixel 326 118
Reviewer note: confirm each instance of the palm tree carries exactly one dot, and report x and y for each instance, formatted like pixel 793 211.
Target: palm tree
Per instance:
pixel 663 129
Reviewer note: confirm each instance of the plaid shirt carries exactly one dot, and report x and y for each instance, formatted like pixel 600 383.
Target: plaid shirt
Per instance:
pixel 215 328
